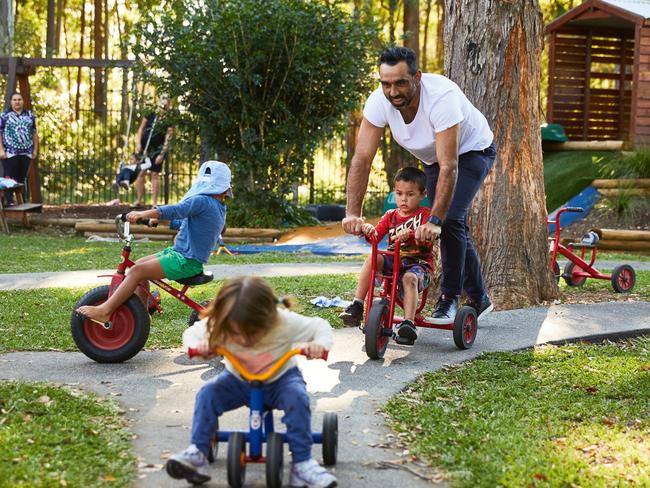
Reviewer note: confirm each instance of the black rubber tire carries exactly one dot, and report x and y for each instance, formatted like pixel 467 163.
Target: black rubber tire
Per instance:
pixel 378 318
pixel 129 333
pixel 623 278
pixel 194 316
pixel 214 445
pixel 465 327
pixel 236 460
pixel 274 460
pixel 556 272
pixel 330 439
pixel 568 276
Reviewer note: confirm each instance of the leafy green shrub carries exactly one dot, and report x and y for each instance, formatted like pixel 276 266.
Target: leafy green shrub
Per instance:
pixel 634 164
pixel 263 82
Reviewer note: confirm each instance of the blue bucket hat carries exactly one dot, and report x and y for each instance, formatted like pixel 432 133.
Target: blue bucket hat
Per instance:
pixel 213 179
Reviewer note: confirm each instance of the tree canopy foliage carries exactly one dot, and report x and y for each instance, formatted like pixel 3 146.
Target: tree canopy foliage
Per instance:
pixel 264 81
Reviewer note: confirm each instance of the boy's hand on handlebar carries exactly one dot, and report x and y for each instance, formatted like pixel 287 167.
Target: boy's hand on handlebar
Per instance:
pixel 133 217
pixel 313 350
pixel 353 225
pixel 427 232
pixel 404 235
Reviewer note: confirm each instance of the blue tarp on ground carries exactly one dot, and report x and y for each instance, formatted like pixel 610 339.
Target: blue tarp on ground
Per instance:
pixel 347 244
pixel 586 199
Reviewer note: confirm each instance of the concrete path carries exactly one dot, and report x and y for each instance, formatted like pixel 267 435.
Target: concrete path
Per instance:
pixel 157 388
pixel 89 278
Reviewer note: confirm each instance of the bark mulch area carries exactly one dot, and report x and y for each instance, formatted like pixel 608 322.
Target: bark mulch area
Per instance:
pixel 86 211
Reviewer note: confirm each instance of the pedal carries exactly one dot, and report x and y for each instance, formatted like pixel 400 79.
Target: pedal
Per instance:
pixel 403 341
pixel 386 332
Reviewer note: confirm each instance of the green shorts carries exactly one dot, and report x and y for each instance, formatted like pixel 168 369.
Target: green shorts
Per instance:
pixel 176 266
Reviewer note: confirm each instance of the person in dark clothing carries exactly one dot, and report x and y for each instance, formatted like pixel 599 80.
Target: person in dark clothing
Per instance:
pixel 154 135
pixel 18 141
pixel 431 117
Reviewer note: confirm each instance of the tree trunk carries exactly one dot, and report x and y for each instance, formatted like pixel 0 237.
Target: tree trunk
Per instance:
pixel 6 27
pixel 81 55
pixel 412 26
pixel 498 67
pixel 427 16
pixel 439 60
pixel 98 44
pixel 50 34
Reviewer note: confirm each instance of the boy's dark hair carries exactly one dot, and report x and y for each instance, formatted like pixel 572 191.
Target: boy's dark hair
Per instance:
pixel 397 54
pixel 411 174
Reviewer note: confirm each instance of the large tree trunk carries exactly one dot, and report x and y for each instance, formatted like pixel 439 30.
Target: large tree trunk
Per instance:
pixel 98 44
pixel 412 26
pixel 6 27
pixel 493 51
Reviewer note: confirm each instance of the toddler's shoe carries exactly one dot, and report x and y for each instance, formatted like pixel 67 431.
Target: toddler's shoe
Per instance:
pixel 352 315
pixel 310 474
pixel 190 464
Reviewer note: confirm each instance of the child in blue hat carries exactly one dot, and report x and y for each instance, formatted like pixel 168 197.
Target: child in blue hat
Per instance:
pixel 203 214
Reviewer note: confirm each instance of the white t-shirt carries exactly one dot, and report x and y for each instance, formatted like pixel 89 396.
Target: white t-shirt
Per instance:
pixel 442 105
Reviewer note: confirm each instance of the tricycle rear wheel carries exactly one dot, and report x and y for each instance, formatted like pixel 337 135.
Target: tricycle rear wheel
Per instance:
pixel 569 275
pixel 465 327
pixel 124 338
pixel 236 459
pixel 274 460
pixel 330 439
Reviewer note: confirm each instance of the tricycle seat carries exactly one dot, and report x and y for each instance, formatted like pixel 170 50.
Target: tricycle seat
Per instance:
pixel 580 245
pixel 199 279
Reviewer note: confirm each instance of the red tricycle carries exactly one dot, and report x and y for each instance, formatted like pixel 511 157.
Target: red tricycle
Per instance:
pixel 261 431
pixel 577 270
pixel 128 329
pixel 380 310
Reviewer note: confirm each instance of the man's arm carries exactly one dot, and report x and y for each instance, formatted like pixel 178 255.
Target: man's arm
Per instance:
pixel 447 155
pixel 368 141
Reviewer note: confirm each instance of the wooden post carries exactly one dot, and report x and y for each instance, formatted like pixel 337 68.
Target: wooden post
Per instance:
pixel 33 176
pixel 11 80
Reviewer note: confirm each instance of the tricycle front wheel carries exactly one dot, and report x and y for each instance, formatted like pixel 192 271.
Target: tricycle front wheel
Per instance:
pixel 465 327
pixel 119 340
pixel 236 459
pixel 330 439
pixel 274 460
pixel 623 278
pixel 378 320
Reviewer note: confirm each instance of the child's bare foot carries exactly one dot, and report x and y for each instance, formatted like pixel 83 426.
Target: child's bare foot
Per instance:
pixel 96 314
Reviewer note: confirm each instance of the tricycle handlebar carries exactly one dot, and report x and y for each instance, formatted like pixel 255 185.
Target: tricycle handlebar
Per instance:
pixel 247 375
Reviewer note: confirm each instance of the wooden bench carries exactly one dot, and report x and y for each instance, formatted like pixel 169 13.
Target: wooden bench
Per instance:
pixel 19 210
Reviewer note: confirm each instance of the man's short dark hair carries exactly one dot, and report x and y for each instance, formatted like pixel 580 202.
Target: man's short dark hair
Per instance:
pixel 411 174
pixel 397 54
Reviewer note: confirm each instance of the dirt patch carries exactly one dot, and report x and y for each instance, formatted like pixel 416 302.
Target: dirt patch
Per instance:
pixel 637 217
pixel 85 211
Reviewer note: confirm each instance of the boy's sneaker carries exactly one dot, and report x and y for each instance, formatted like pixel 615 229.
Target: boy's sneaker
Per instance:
pixel 312 475
pixel 190 464
pixel 353 314
pixel 445 311
pixel 483 308
pixel 406 333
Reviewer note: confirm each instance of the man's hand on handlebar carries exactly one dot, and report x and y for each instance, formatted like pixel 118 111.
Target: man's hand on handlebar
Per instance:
pixel 404 235
pixel 353 225
pixel 313 350
pixel 427 232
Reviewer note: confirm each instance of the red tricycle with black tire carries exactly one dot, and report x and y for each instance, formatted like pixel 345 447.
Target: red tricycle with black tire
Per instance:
pixel 381 303
pixel 127 331
pixel 577 269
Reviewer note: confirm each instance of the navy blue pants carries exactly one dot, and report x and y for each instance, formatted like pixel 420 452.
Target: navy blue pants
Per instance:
pixel 227 392
pixel 461 268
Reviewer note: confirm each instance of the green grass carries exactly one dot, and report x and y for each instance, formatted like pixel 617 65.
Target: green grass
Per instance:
pixel 55 436
pixel 567 173
pixel 37 252
pixel 576 415
pixel 39 319
pixel 619 256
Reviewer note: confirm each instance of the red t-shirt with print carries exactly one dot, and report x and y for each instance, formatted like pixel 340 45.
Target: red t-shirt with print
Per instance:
pixel 392 223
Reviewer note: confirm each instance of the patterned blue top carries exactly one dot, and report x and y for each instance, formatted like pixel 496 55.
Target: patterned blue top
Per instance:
pixel 17 130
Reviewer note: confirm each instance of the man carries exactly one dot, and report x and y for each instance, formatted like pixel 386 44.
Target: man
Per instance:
pixel 432 118
pixel 18 142
pixel 153 139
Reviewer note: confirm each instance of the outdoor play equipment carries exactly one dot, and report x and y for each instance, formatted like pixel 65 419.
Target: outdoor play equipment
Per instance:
pixel 577 270
pixel 127 331
pixel 261 429
pixel 380 310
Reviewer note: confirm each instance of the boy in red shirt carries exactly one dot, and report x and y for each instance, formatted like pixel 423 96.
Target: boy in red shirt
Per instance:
pixel 415 270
